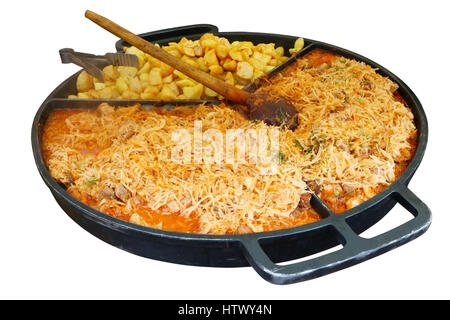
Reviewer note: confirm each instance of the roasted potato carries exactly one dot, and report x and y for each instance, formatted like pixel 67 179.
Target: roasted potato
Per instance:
pixel 237 63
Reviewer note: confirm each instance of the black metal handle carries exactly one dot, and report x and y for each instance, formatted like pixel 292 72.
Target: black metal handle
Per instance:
pixel 355 248
pixel 172 32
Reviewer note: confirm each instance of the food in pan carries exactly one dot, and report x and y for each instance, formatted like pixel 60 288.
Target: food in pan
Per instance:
pixel 354 128
pixel 119 160
pixel 355 137
pixel 238 63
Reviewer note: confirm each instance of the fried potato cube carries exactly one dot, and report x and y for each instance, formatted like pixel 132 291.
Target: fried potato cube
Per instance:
pixel 274 62
pixel 194 92
pixel 216 69
pixel 121 85
pixel 99 85
pixel 155 77
pixel 229 78
pixel 174 52
pixel 244 70
pixel 246 52
pixel 110 73
pixel 174 88
pixel 185 83
pixel 127 72
pixel 135 85
pixel 115 94
pixel 85 82
pixel 207 36
pixel 279 51
pixel 198 50
pixel 210 93
pixel 222 51
pixel 230 65
pixel 180 75
pixel 268 68
pixel 173 45
pixel 145 68
pixel 258 73
pixel 269 49
pixel 225 42
pixel 265 58
pixel 190 61
pixel 202 64
pixel 150 92
pixel 130 95
pixel 298 45
pixel 105 93
pixel 154 63
pixel 257 63
pixel 211 58
pixel 166 69
pixel 144 77
pixel 167 93
pixel 209 43
pixel 183 41
pixel 84 95
pixel 235 54
pixel 137 52
pixel 188 50
pixel 168 79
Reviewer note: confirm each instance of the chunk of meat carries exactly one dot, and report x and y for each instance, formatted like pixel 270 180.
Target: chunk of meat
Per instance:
pixel 106 193
pixel 405 155
pixel 243 228
pixel 135 218
pixel 105 109
pixel 347 188
pixel 66 178
pixel 173 207
pixel 122 193
pixel 353 202
pixel 128 129
pixel 314 186
pixel 304 202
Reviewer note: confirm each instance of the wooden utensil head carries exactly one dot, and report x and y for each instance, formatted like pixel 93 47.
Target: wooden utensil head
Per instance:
pixel 272 109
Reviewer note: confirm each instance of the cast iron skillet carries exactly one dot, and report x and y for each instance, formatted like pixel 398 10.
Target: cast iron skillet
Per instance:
pixel 265 249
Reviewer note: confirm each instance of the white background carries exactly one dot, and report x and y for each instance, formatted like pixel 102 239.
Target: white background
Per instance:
pixel 45 255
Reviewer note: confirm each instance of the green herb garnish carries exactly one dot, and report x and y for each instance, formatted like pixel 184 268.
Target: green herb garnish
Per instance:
pixel 283 158
pixel 91 181
pixel 298 144
pixel 348 192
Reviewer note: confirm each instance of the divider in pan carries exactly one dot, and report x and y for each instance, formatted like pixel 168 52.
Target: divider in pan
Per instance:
pixel 261 250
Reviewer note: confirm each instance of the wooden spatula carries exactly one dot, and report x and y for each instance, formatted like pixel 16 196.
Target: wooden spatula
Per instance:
pixel 272 109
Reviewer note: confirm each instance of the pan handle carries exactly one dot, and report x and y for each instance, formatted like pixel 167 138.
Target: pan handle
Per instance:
pixel 355 248
pixel 172 32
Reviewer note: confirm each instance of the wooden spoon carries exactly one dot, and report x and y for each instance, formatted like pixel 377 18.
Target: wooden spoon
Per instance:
pixel 270 108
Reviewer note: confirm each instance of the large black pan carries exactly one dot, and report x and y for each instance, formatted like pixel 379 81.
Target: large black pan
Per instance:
pixel 261 250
